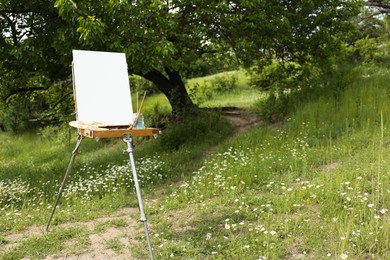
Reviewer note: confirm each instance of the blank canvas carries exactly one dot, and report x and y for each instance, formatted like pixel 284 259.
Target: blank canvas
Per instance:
pixel 101 88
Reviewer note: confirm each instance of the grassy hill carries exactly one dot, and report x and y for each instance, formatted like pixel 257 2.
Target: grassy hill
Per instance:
pixel 316 186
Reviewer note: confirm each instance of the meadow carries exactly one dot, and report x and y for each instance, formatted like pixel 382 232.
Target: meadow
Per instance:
pixel 315 186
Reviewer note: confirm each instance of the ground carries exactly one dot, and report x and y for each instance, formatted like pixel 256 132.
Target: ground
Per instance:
pixel 113 241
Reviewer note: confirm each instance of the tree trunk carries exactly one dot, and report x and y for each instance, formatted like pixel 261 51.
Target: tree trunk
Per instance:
pixel 173 87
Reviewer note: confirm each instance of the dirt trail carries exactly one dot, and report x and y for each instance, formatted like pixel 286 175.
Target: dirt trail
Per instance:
pixel 125 236
pixel 241 119
pixel 98 245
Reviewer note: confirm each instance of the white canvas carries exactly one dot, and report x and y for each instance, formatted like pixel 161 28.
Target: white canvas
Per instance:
pixel 101 88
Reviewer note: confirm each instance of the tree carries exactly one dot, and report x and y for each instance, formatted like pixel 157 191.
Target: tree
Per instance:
pixel 163 38
pixel 374 24
pixel 32 57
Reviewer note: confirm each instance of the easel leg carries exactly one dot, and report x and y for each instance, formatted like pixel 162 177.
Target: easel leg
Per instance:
pixel 74 153
pixel 128 139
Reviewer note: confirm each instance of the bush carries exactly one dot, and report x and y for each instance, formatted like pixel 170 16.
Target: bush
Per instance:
pixel 200 93
pixel 291 85
pixel 274 108
pixel 224 84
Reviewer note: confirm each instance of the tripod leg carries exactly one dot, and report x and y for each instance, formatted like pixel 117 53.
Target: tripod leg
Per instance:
pixel 128 139
pixel 74 153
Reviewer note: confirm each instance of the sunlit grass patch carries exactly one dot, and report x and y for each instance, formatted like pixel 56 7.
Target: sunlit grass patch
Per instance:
pixel 225 89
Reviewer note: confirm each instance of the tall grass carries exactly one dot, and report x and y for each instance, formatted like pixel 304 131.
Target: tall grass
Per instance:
pixel 315 187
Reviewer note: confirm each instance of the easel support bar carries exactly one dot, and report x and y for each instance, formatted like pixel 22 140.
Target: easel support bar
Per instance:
pixel 74 153
pixel 128 140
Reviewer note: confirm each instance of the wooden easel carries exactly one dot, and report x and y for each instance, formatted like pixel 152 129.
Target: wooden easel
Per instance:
pixel 104 110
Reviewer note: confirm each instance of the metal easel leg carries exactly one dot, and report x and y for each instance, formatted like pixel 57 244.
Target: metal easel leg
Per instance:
pixel 74 153
pixel 128 140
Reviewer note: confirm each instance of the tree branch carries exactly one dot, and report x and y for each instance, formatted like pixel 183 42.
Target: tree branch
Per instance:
pixel 61 99
pixel 23 90
pixel 378 4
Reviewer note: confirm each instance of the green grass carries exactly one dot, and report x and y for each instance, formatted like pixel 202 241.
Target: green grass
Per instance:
pixel 225 89
pixel 115 245
pixel 102 226
pixel 315 187
pixel 40 246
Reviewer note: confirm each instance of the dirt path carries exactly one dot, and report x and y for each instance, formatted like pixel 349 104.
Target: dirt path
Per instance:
pixel 241 119
pixel 113 241
pixel 122 237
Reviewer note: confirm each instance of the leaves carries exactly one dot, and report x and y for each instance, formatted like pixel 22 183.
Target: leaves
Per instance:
pixel 160 37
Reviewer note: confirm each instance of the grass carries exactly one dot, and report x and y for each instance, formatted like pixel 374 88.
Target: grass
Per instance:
pixel 115 244
pixel 225 89
pixel 316 187
pixel 40 246
pixel 102 226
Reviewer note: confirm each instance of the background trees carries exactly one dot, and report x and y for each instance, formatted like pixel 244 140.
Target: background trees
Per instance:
pixel 163 41
pixel 33 56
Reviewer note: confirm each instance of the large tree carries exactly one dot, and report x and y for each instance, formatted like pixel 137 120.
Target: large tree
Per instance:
pixel 163 38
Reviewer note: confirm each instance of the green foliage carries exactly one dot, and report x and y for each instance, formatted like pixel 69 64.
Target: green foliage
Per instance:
pixel 163 41
pixel 140 85
pixel 236 91
pixel 371 50
pixel 297 31
pixel 366 50
pixel 372 44
pixel 274 108
pixel 225 84
pixel 219 84
pixel 361 105
pixel 281 77
pixel 52 105
pixel 287 91
pixel 115 244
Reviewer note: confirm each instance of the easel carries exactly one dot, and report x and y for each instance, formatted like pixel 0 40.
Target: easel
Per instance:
pixel 117 112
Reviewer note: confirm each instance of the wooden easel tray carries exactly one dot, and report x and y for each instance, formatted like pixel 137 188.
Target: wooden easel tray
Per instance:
pixel 99 130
